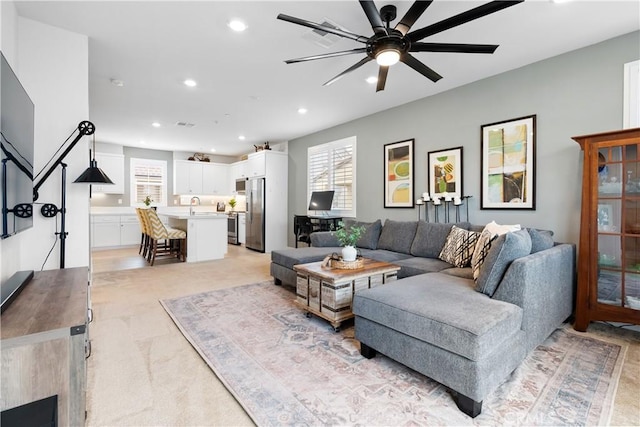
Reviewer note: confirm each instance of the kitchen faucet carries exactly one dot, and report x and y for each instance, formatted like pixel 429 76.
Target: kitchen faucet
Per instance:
pixel 191 204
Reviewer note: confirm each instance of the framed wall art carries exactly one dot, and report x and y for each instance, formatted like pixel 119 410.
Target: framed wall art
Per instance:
pixel 445 173
pixel 508 164
pixel 398 174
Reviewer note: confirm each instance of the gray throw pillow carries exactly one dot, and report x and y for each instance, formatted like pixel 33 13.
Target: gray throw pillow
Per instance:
pixel 369 239
pixel 504 250
pixel 431 236
pixel 540 240
pixel 397 236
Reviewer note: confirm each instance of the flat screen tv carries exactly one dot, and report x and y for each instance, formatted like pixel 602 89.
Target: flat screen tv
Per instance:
pixel 17 143
pixel 321 200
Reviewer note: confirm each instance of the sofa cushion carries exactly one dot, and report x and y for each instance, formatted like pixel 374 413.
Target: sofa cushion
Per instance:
pixel 431 237
pixel 504 249
pixel 290 257
pixel 418 265
pixel 464 272
pixel 540 239
pixel 442 310
pixel 459 246
pixel 383 255
pixel 397 236
pixel 369 239
pixel 324 238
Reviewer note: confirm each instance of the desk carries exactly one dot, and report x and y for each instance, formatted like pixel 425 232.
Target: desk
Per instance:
pixel 324 223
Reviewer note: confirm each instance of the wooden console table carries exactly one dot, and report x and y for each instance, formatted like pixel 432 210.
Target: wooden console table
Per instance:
pixel 44 344
pixel 328 293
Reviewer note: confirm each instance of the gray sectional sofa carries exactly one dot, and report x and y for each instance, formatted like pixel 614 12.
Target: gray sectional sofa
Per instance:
pixel 466 334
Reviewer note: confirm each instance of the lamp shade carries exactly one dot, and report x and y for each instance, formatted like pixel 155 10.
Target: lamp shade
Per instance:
pixel 93 175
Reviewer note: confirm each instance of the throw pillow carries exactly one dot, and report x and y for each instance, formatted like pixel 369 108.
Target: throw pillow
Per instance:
pixel 481 251
pixel 430 238
pixel 540 239
pixel 458 249
pixel 504 250
pixel 397 236
pixel 369 239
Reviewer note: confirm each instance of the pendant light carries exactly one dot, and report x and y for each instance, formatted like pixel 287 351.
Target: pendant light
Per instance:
pixel 93 174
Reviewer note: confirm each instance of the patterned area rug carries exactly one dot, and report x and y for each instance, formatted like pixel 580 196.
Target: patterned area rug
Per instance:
pixel 287 369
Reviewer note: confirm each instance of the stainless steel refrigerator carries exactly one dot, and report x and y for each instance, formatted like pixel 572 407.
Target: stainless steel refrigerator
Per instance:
pixel 255 214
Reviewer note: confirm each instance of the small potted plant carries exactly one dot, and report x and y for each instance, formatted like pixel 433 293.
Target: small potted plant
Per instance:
pixel 232 203
pixel 348 237
pixel 147 201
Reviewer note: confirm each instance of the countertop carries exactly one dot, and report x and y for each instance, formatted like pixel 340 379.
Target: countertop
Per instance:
pixel 197 215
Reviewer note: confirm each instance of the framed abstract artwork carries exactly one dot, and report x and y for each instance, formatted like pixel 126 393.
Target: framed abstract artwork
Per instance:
pixel 398 174
pixel 445 173
pixel 508 164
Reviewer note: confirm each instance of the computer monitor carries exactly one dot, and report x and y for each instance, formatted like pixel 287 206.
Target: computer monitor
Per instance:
pixel 321 200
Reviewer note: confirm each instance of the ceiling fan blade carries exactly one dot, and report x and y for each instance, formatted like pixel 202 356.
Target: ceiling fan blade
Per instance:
pixel 337 32
pixel 420 67
pixel 382 77
pixel 327 55
pixel 454 21
pixel 453 47
pixel 348 70
pixel 415 11
pixel 373 16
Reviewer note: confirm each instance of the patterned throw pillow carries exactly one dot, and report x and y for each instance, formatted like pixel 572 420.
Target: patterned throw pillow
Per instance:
pixel 481 251
pixel 458 249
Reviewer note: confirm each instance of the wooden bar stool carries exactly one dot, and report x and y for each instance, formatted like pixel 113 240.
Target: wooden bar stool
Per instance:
pixel 165 241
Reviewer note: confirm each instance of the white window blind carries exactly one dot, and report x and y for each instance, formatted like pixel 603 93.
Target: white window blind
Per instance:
pixel 148 178
pixel 331 166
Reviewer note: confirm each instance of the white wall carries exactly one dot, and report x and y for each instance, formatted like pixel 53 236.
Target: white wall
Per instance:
pixel 52 65
pixel 577 93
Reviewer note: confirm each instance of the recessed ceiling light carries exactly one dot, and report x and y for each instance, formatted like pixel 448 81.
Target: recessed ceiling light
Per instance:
pixel 302 110
pixel 237 25
pixel 371 80
pixel 190 83
pixel 156 124
pixel 241 137
pixel 142 142
pixel 213 150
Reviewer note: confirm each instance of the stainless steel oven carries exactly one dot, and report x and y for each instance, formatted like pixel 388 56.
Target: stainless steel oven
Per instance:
pixel 232 229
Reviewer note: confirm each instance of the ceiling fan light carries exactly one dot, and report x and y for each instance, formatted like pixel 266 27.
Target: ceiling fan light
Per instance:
pixel 387 57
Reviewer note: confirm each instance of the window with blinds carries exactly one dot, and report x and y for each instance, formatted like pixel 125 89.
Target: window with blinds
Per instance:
pixel 332 166
pixel 148 178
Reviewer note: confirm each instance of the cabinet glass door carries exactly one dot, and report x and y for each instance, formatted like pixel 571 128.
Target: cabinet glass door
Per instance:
pixel 618 225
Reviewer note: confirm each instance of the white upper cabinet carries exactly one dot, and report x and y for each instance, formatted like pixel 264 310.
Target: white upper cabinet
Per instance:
pixel 215 179
pixel 113 166
pixel 187 177
pixel 256 164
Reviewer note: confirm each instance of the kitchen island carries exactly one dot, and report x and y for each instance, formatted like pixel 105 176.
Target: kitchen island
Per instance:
pixel 206 234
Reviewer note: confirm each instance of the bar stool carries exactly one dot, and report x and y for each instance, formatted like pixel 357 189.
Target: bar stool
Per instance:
pixel 163 240
pixel 144 231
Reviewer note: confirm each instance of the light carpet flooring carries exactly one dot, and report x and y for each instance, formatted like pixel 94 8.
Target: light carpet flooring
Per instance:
pixel 143 372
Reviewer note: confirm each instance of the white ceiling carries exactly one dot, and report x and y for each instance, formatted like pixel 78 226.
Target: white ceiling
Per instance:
pixel 244 86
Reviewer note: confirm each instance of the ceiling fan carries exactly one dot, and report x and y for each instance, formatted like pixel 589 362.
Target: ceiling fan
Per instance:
pixel 389 45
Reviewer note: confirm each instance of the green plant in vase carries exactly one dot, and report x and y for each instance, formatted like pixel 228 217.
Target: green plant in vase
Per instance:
pixel 147 201
pixel 232 203
pixel 348 237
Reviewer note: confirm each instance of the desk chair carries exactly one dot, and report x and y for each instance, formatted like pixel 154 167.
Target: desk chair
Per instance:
pixel 302 228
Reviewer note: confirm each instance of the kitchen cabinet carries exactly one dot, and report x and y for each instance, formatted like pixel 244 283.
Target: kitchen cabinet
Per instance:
pixel 256 164
pixel 238 170
pixel 242 232
pixel 112 165
pixel 187 177
pixel 215 179
pixel 45 344
pixel 609 257
pixel 114 230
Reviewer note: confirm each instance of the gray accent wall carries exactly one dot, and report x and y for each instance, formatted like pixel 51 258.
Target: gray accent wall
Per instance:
pixel 577 93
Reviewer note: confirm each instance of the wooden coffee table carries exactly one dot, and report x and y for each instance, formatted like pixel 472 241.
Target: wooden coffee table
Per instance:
pixel 328 293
